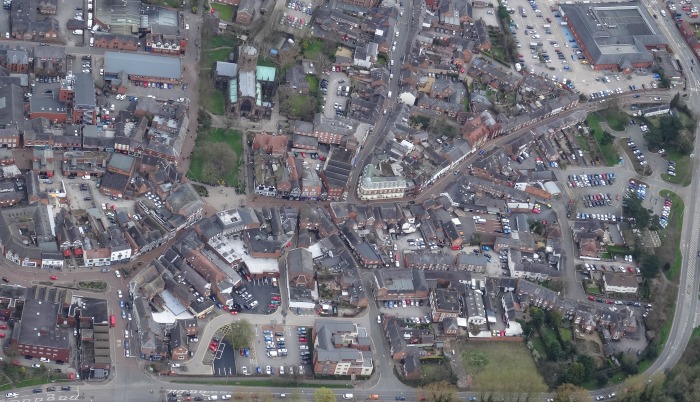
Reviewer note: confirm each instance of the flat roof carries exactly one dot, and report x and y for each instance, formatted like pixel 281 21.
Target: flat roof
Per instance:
pixel 146 65
pixel 615 33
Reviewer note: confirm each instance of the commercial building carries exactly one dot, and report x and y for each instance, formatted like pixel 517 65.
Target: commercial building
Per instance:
pixel 143 67
pixel 614 36
pixel 341 348
pixel 37 333
pixel 376 186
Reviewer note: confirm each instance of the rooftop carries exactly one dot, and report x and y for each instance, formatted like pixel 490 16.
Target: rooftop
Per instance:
pixel 143 64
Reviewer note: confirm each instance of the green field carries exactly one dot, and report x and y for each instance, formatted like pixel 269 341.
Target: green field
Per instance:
pixel 503 367
pixel 313 83
pixel 670 250
pixel 684 169
pixel 608 150
pixel 209 57
pixel 220 41
pixel 313 48
pixel 232 139
pixel 225 11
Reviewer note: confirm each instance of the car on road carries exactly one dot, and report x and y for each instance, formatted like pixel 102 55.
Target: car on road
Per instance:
pixel 50 389
pixel 119 292
pixel 117 274
pixel 11 395
pixel 36 365
pixel 4 279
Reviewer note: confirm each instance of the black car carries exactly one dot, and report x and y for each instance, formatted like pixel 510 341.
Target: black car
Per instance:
pixel 60 362
pixel 37 390
pixel 50 389
pixel 198 398
pixel 4 279
pixel 65 388
pixel 57 370
pixel 87 199
pixel 28 357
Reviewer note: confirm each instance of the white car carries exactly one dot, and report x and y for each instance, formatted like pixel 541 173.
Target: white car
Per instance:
pixel 44 360
pixel 126 334
pixel 119 292
pixel 176 365
pixel 11 395
pixel 268 370
pixel 187 26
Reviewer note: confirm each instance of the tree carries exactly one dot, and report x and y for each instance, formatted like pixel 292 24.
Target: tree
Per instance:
pixel 440 391
pixel 536 316
pixel 649 266
pixel 629 364
pixel 570 393
pixel 324 395
pixel 240 334
pixel 607 138
pixel 575 373
pixel 588 363
pixel 554 351
pixel 296 394
pixel 633 208
pixel 553 318
pixel 218 161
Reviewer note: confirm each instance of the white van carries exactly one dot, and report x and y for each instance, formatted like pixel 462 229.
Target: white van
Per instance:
pixel 92 42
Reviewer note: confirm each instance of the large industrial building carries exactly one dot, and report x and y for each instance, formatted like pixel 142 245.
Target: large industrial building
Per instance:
pixel 614 36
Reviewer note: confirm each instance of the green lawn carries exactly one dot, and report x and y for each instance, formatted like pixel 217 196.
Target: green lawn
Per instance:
pixel 548 335
pixel 313 83
pixel 215 102
pixel 616 121
pixel 583 143
pixel 670 250
pixel 506 367
pixel 684 169
pixel 608 150
pixel 666 328
pixel 566 334
pixel 297 103
pixel 262 61
pixel 225 11
pixel 220 41
pixel 232 139
pixel 209 57
pixel 313 48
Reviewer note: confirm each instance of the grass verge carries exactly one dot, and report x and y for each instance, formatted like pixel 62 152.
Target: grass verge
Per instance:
pixel 684 171
pixel 491 362
pixel 670 250
pixel 666 328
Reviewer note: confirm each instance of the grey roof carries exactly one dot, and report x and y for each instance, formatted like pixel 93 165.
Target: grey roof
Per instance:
pixel 143 64
pixel 446 299
pixel 246 83
pixel 299 260
pixel 121 162
pixel 11 105
pixel 615 33
pixel 401 280
pixel 38 325
pixel 84 90
pixel 225 69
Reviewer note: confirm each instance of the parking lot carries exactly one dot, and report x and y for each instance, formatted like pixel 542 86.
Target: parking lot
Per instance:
pixel 542 38
pixel 256 297
pixel 224 360
pixel 332 97
pixel 276 346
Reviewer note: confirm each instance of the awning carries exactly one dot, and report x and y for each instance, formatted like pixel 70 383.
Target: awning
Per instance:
pixel 78 251
pixel 67 253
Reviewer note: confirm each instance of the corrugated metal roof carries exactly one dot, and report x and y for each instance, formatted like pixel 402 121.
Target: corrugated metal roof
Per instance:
pixel 143 64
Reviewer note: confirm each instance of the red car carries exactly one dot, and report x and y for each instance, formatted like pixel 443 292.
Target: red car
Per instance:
pixel 16 363
pixel 212 348
pixel 591 298
pixel 242 352
pixel 53 277
pixel 3 326
pixel 2 334
pixel 276 298
pixel 234 312
pixel 301 339
pixel 608 302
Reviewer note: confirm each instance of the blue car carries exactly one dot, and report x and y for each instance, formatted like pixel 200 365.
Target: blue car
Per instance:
pixel 246 352
pixel 482 152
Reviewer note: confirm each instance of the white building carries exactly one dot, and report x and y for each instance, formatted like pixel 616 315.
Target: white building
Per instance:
pixel 620 283
pixel 373 186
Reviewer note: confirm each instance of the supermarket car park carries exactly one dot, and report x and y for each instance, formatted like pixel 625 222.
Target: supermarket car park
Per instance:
pixel 547 47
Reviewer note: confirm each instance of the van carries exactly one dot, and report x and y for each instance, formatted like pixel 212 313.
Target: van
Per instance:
pixel 92 42
pixel 392 62
pixel 389 95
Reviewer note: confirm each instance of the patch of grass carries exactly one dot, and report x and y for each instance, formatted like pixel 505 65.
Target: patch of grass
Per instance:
pixel 313 83
pixel 607 150
pixel 583 143
pixel 215 102
pixel 298 103
pixel 538 345
pixel 266 383
pixel 696 332
pixel 502 360
pixel 616 120
pixel 312 48
pixel 262 61
pixel 566 334
pixel 220 41
pixel 548 335
pixel 684 169
pixel 169 3
pixel 665 330
pixel 232 139
pixel 225 11
pixel 670 251
pixel 209 57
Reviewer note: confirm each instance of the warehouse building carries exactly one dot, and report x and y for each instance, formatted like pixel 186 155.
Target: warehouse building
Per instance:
pixel 143 67
pixel 614 36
